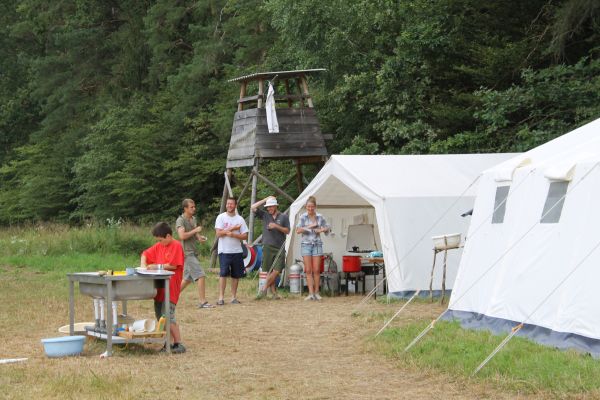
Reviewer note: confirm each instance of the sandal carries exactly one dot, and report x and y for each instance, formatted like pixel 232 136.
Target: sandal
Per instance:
pixel 235 301
pixel 206 304
pixel 221 303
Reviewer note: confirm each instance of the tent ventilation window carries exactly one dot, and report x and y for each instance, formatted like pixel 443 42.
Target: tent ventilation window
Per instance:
pixel 554 202
pixel 500 204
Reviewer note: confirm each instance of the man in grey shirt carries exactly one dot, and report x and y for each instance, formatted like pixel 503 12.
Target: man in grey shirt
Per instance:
pixel 276 226
pixel 189 233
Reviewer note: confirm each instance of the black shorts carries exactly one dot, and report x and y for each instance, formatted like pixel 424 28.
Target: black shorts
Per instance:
pixel 231 265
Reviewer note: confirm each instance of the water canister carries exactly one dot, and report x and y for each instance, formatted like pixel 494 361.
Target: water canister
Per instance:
pixel 262 280
pixel 295 281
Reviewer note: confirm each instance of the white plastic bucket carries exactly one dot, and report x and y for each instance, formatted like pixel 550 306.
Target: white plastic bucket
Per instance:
pixel 262 280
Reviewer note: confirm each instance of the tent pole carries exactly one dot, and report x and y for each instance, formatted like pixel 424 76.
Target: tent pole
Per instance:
pixel 397 313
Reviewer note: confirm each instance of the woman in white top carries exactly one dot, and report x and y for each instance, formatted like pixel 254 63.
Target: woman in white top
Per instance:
pixel 310 226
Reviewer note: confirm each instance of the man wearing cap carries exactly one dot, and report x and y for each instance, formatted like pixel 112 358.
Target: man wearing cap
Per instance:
pixel 275 227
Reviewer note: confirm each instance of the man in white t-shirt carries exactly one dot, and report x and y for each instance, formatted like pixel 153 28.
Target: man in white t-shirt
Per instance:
pixel 231 230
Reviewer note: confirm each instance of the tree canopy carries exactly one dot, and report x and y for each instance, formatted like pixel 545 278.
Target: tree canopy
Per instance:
pixel 121 108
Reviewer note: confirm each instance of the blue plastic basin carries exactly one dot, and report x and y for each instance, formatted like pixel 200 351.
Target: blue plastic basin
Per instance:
pixel 63 346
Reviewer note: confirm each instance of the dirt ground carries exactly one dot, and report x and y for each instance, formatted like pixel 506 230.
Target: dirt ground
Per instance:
pixel 267 349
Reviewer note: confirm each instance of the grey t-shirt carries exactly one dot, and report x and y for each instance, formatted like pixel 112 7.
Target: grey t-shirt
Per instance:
pixel 189 245
pixel 273 237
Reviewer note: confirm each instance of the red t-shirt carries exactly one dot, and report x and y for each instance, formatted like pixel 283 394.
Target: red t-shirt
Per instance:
pixel 171 254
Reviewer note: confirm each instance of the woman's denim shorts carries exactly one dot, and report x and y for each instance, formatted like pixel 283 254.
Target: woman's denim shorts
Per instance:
pixel 312 249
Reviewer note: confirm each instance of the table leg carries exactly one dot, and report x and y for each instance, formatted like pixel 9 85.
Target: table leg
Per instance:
pixel 364 281
pixel 166 310
pixel 431 277
pixel 109 321
pixel 347 281
pixel 124 307
pixel 375 283
pixel 444 277
pixel 71 307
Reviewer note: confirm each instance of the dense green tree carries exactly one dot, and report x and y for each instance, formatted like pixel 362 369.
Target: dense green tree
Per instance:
pixel 122 108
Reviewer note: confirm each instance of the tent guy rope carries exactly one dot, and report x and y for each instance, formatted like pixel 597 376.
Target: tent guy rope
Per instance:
pixel 374 290
pixel 502 256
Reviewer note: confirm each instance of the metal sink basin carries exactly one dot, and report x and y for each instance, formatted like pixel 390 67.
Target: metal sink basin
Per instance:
pixel 122 290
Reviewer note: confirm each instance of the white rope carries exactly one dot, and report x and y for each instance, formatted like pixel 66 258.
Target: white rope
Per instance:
pixel 508 250
pixel 388 272
pixel 513 332
pixel 528 318
pixel 397 313
pixel 471 233
pixel 424 332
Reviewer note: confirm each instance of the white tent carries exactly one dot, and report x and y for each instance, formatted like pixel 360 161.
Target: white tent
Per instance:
pixel 403 197
pixel 534 259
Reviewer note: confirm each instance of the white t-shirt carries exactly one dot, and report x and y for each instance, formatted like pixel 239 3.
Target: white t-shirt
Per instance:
pixel 230 245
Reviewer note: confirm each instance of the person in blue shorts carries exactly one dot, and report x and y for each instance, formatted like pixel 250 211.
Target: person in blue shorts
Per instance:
pixel 310 226
pixel 231 230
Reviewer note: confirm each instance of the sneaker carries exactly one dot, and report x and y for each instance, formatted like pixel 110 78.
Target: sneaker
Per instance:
pixel 309 297
pixel 178 348
pixel 317 296
pixel 220 303
pixel 206 304
pixel 235 301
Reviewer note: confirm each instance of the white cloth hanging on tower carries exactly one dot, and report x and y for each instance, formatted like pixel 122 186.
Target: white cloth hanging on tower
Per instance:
pixel 272 123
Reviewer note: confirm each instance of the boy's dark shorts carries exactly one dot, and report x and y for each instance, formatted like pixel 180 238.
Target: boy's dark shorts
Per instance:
pixel 231 265
pixel 159 312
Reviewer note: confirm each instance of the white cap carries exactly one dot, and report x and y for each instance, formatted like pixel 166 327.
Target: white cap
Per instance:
pixel 271 201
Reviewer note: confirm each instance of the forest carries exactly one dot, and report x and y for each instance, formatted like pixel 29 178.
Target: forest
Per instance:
pixel 118 109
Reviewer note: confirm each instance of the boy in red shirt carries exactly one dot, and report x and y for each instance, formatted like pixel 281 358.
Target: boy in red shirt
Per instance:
pixel 168 253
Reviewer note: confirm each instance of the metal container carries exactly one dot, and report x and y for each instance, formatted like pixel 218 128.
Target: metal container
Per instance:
pixel 351 263
pixel 295 281
pixel 122 289
pixel 446 242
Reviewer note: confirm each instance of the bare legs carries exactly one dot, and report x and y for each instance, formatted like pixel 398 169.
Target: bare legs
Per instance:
pixel 312 269
pixel 223 285
pixel 308 270
pixel 271 281
pixel 201 288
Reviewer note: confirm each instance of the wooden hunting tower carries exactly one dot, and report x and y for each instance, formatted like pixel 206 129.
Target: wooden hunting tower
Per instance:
pixel 299 138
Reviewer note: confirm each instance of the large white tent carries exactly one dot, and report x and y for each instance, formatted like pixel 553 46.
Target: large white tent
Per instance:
pixel 532 256
pixel 408 199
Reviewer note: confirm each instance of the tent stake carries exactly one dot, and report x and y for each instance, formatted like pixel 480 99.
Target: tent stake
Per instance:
pixel 424 332
pixel 514 330
pixel 398 312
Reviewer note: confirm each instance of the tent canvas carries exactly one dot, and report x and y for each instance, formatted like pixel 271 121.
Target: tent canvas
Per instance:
pixel 537 263
pixel 402 196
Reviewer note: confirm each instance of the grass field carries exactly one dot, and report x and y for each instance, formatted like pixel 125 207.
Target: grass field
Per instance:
pixel 522 366
pixel 33 264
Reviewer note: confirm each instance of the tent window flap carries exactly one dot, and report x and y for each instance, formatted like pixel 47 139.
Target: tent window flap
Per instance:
pixel 554 202
pixel 500 204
